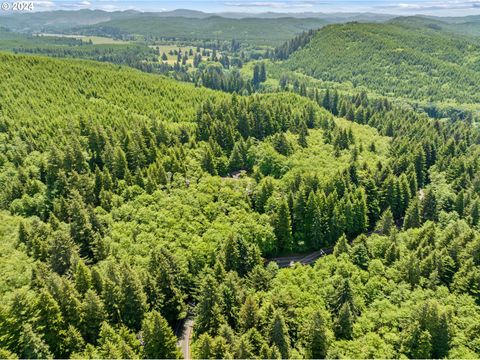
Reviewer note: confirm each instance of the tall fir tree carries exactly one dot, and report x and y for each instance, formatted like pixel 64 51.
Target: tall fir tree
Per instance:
pixel 209 309
pixel 344 323
pixel 279 335
pixel 158 337
pixel 412 215
pixel 316 341
pixel 92 316
pixel 429 206
pixel 282 227
pixel 134 301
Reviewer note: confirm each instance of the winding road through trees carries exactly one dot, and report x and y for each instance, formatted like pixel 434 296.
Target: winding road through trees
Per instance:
pixel 184 329
pixel 184 335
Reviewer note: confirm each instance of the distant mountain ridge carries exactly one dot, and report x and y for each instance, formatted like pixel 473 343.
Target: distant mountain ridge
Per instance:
pixel 469 25
pixel 256 28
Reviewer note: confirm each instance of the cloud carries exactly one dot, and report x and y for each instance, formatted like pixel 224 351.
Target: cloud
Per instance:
pixel 272 4
pixel 432 6
pixel 42 4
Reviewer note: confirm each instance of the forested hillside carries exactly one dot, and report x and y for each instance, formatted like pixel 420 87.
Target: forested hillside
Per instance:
pixel 129 201
pixel 57 20
pixel 467 25
pixel 134 55
pixel 394 60
pixel 253 31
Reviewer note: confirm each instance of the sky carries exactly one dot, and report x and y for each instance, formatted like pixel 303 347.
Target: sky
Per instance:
pixel 399 7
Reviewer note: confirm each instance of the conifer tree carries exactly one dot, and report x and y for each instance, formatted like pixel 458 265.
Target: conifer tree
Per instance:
pixel 82 277
pixel 209 316
pixel 392 254
pixel 344 323
pixel 279 335
pixel 326 100
pixel 372 200
pixel 302 135
pixel 475 213
pixel 343 294
pixel 429 206
pixel 92 316
pixel 404 193
pixel 120 165
pixel 298 222
pixel 32 345
pixel 256 76
pixel 72 342
pixel 282 227
pixel 417 343
pixel 81 229
pixel 460 203
pixel 249 316
pixel 220 348
pixel 236 160
pixel 50 322
pixel 282 145
pixel 61 251
pixel 263 73
pixel 435 321
pixel 350 115
pixel 386 223
pixel 204 347
pixel 335 100
pixel 412 216
pixel 208 162
pixel 158 337
pixel 164 292
pixel 359 253
pixel 316 342
pixel 134 301
pixel 231 293
pixel 243 349
pixel 342 246
pixel 116 343
pixel 311 212
pixel 419 161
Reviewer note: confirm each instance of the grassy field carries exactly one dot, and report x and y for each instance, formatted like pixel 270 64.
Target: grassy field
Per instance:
pixel 96 40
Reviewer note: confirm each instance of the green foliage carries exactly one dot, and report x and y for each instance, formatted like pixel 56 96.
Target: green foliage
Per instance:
pixel 160 343
pixel 265 32
pixel 209 316
pixel 137 199
pixel 316 338
pixel 93 315
pixel 430 65
pixel 279 335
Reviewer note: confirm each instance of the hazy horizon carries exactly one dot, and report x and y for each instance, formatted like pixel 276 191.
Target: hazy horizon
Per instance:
pixel 422 7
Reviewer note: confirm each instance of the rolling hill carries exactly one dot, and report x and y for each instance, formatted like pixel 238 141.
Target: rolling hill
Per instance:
pixel 250 30
pixel 58 20
pixel 467 25
pixel 394 60
pixel 129 201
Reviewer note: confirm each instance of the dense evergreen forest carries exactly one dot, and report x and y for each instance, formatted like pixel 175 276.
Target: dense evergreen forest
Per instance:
pixel 394 60
pixel 264 32
pixel 134 206
pixel 134 55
